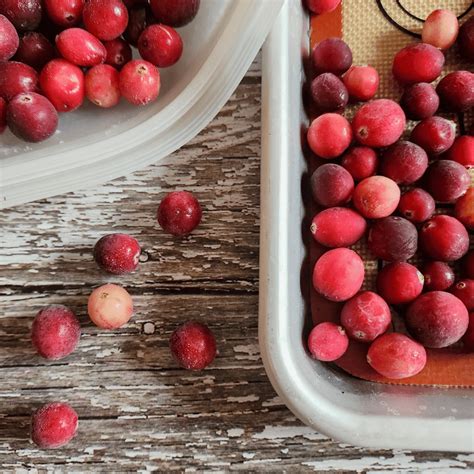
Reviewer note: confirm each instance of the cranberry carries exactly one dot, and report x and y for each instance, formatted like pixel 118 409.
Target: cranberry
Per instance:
pixel 434 134
pixel 396 356
pixel 140 82
pixel 332 55
pixel 24 14
pixel 3 115
pixel 63 84
pixel 327 342
pixel 338 274
pixel 447 180
pixel 65 12
pixel 175 12
pixel 134 3
pixel 119 53
pixel 440 29
pixel 193 346
pixel 361 162
pixel 468 265
pixel 466 39
pixel 379 123
pixel 399 283
pixel 439 276
pixel 462 151
pixel 420 101
pixel 322 6
pixel 105 19
pixel 110 306
pixel 53 425
pixel 79 47
pixel 329 93
pixel 338 227
pixel 456 91
pixel 444 238
pixel 365 316
pixel 55 332
pixel 10 40
pixel 464 290
pixel 32 117
pixel 468 338
pixel 161 45
pixel 418 62
pixel 102 86
pixel 179 213
pixel 137 22
pixel 34 50
pixel 362 82
pixel 16 78
pixel 376 197
pixel 329 135
pixel 117 253
pixel 331 185
pixel 416 205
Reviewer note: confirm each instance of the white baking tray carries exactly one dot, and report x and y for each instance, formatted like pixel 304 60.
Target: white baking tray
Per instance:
pixel 347 409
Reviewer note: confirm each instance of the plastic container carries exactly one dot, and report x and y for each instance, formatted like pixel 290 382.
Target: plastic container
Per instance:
pixel 345 408
pixel 94 145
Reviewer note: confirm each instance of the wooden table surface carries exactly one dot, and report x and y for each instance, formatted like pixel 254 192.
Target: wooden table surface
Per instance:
pixel 137 410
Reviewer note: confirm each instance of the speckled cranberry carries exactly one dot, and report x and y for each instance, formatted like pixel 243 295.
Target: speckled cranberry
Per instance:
pixel 34 50
pixel 119 53
pixel 464 209
pixel 3 115
pixel 329 93
pixel 456 91
pixel 467 265
pixel 110 306
pixel 117 253
pixel 440 29
pixel 376 197
pixel 65 13
pixel 9 39
pixel 105 19
pixel 102 86
pixel 399 283
pixel 468 338
pixel 439 276
pixel 24 14
pixel 446 180
pixel 361 162
pixel 331 185
pixel 434 134
pixel 80 47
pixel 179 213
pixel 140 82
pixel 462 151
pixel 16 78
pixel 327 342
pixel 416 205
pixel 332 55
pixel 464 290
pixel 175 13
pixel 420 101
pixel 362 82
pixel 322 6
pixel 329 135
pixel 466 39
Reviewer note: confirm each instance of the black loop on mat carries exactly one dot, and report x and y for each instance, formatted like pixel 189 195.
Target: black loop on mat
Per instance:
pixel 411 15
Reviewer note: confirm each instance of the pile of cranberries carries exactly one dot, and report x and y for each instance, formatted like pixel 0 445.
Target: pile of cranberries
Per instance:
pixel 411 194
pixel 55 53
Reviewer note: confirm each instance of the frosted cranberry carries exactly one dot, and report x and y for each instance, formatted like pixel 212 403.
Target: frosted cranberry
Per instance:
pixel 464 290
pixel 434 134
pixel 361 162
pixel 327 342
pixel 338 274
pixel 179 213
pixel 24 14
pixel 396 356
pixel 65 12
pixel 416 205
pixel 329 93
pixel 105 19
pixel 468 338
pixel 331 185
pixel 362 82
pixel 34 50
pixel 365 316
pixel 332 55
pixel 137 22
pixel 161 45
pixel 322 6
pixel 379 123
pixel 3 115
pixel 139 82
pixel 55 332
pixel 399 283
pixel 462 151
pixel 418 62
pixel 464 209
pixel 193 346
pixel 110 306
pixel 447 180
pixel 456 91
pixel 32 117
pixel 468 265
pixel 376 197
pixel 53 425
pixel 329 135
pixel 63 84
pixel 175 12
pixel 466 39
pixel 438 276
pixel 79 47
pixel 117 253
pixel 437 319
pixel 420 101
pixel 444 238
pixel 338 227
pixel 119 53
pixel 9 39
pixel 102 86
pixel 440 29
pixel 16 78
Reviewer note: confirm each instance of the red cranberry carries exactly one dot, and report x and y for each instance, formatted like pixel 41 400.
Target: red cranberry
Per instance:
pixel 462 151
pixel 466 39
pixel 55 332
pixel 331 185
pixel 327 342
pixel 464 209
pixel 10 40
pixel 434 134
pixel 376 197
pixel 329 135
pixel 32 117
pixel 117 253
pixel 161 45
pixel 105 19
pixel 338 274
pixel 24 14
pixel 332 55
pixel 34 50
pixel 440 29
pixel 416 205
pixel 63 84
pixel 175 12
pixel 365 316
pixel 396 356
pixel 119 53
pixel 16 78
pixel 179 213
pixel 3 115
pixel 468 338
pixel 418 62
pixel 444 238
pixel 456 91
pixel 361 162
pixel 420 101
pixel 322 6
pixel 379 123
pixel 464 290
pixel 102 86
pixel 468 265
pixel 399 283
pixel 439 276
pixel 329 93
pixel 193 346
pixel 79 47
pixel 447 180
pixel 362 82
pixel 139 18
pixel 110 306
pixel 139 82
pixel 338 227
pixel 65 12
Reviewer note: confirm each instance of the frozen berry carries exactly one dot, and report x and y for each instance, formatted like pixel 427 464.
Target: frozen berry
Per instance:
pixel 24 14
pixel 331 185
pixel 327 342
pixel 361 162
pixel 3 115
pixel 102 85
pixel 456 91
pixel 117 253
pixel 179 213
pixel 193 346
pixel 440 29
pixel 55 332
pixel 79 47
pixel 434 134
pixel 468 338
pixel 329 135
pixel 439 276
pixel 462 151
pixel 416 205
pixel 110 306
pixel 322 6
pixel 16 78
pixel 376 197
pixel 161 45
pixel 420 101
pixel 329 93
pixel 464 209
pixel 65 12
pixel 399 283
pixel 139 82
pixel 447 180
pixel 362 82
pixel 34 50
pixel 464 290
pixel 105 19
pixel 175 12
pixel 467 265
pixel 119 52
pixel 466 39
pixel 9 39
pixel 332 55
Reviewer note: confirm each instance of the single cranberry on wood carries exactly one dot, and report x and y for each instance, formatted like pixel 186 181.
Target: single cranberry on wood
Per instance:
pixel 110 306
pixel 327 342
pixel 179 213
pixel 117 253
pixel 399 283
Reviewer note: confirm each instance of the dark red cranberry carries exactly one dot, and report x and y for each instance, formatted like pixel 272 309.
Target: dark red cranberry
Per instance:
pixel 179 213
pixel 447 180
pixel 9 39
pixel 117 253
pixel 464 290
pixel 466 39
pixel 139 18
pixel 16 78
pixel 456 91
pixel 105 19
pixel 24 14
pixel 434 134
pixel 331 185
pixel 175 13
pixel 420 101
pixel 467 266
pixel 439 276
pixel 332 55
pixel 161 45
pixel 416 205
pixel 119 53
pixel 468 338
pixel 65 12
pixel 462 151
pixel 329 93
pixel 34 50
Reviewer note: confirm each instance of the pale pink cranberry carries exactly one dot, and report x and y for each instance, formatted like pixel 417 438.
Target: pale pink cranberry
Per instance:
pixel 361 162
pixel 462 151
pixel 466 39
pixel 3 115
pixel 420 101
pixel 322 6
pixel 110 306
pixel 79 47
pixel 329 93
pixel 464 209
pixel 456 91
pixel 332 55
pixel 399 283
pixel 329 135
pixel 175 13
pixel 447 180
pixel 327 342
pixel 117 253
pixel 119 53
pixel 439 276
pixel 9 37
pixel 16 78
pixel 24 14
pixel 434 134
pixel 331 185
pixel 102 86
pixel 140 82
pixel 468 338
pixel 376 197
pixel 416 205
pixel 179 213
pixel 34 50
pixel 464 290
pixel 468 265
pixel 362 82
pixel 161 45
pixel 440 29
pixel 105 19
pixel 64 12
